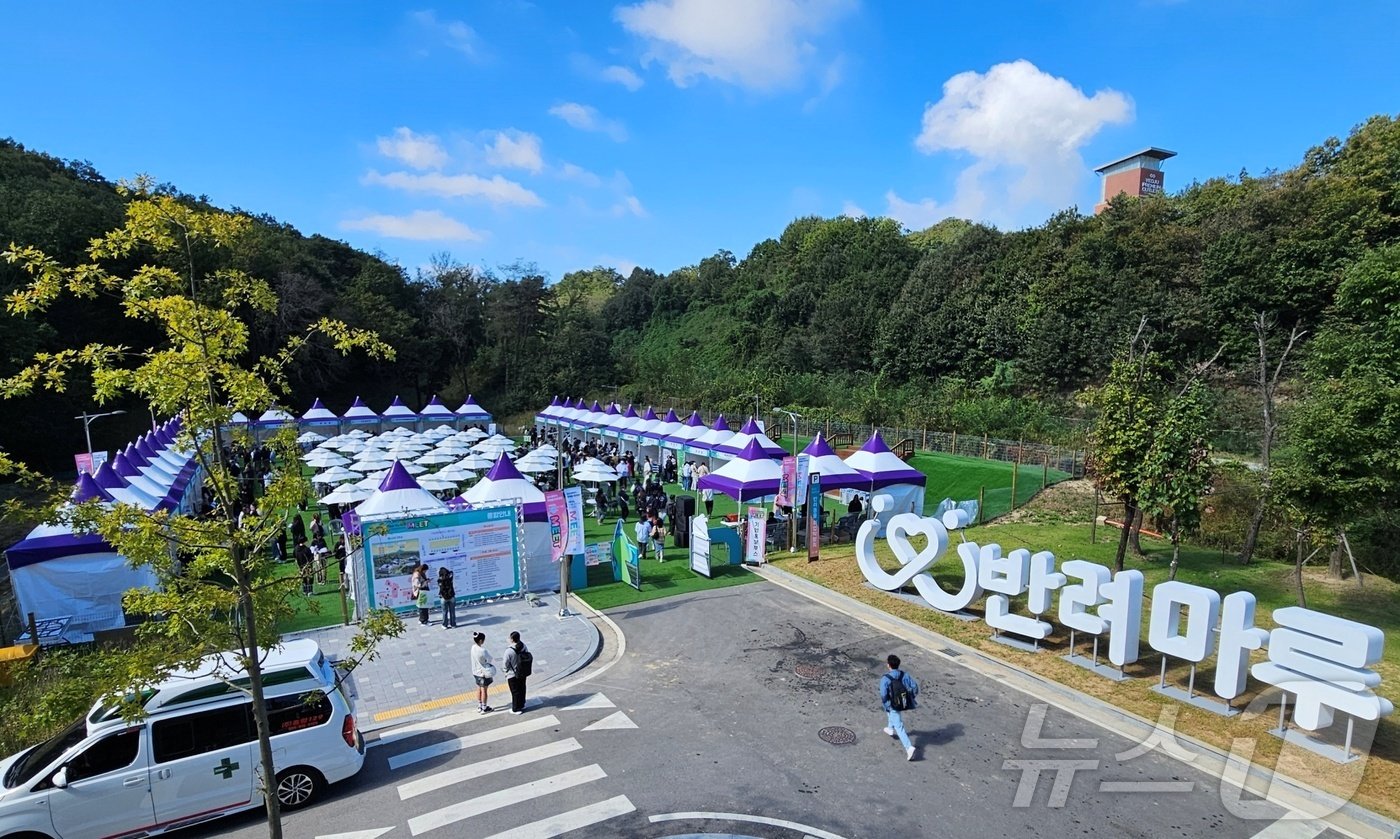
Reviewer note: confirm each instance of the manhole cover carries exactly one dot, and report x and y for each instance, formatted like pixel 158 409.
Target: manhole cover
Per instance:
pixel 809 671
pixel 837 735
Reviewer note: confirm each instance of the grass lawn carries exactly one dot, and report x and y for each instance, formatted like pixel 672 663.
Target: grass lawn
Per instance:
pixel 1051 524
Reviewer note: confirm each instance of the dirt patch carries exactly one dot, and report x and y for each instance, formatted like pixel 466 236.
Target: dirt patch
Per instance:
pixel 1068 502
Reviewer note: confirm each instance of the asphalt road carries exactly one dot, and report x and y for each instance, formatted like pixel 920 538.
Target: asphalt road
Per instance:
pixel 713 724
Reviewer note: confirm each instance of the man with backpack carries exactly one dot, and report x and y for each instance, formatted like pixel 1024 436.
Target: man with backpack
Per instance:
pixel 519 664
pixel 898 693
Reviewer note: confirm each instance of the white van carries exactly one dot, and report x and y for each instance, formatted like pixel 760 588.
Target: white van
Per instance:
pixel 193 758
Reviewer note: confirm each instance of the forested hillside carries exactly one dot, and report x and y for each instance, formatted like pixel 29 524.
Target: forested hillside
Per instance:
pixel 957 326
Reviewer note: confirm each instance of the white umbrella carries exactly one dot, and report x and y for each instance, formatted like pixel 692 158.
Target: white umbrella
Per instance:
pixel 529 466
pixel 348 494
pixel 400 451
pixel 455 473
pixel 598 472
pixel 321 460
pixel 471 434
pixel 433 482
pixel 334 475
pixel 357 433
pixel 435 457
pixel 371 482
pixel 413 468
pixel 476 461
pixel 352 447
pixel 453 447
pixel 494 448
pixel 546 449
pixel 310 437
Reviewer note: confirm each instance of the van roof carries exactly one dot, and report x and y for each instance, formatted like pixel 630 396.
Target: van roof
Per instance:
pixel 215 677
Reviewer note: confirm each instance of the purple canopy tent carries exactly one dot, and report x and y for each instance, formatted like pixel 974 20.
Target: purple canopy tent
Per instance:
pixel 319 416
pixel 836 474
pixel 751 431
pixel 750 475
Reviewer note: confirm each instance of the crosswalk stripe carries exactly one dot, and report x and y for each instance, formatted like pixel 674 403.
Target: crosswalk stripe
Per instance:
pixel 503 798
pixel 1292 828
pixel 447 778
pixel 572 820
pixel 466 742
pixel 429 725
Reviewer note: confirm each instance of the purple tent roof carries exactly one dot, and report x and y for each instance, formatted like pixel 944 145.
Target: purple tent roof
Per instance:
pixel 134 455
pixel 359 410
pixel 504 470
pixel 319 413
pixel 435 408
pixel 398 478
pixel 107 478
pixel 751 427
pixel 721 424
pixel 612 409
pixel 124 467
pixel 671 416
pixel 38 549
pixel 87 490
pixel 891 470
pixel 819 447
pixel 743 490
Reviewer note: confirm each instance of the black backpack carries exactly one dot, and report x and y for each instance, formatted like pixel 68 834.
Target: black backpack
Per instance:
pixel 900 700
pixel 524 663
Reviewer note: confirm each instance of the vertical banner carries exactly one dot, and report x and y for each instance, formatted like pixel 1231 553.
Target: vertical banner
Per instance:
pixel 557 512
pixel 814 518
pixel 597 554
pixel 625 553
pixel 799 483
pixel 573 505
pixel 84 463
pixel 756 547
pixel 786 486
pixel 700 546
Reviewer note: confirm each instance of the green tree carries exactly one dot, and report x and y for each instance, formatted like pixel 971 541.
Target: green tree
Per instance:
pixel 1176 472
pixel 219 589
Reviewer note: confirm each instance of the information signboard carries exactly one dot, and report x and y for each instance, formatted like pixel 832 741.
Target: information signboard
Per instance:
pixel 480 546
pixel 757 544
pixel 814 517
pixel 700 546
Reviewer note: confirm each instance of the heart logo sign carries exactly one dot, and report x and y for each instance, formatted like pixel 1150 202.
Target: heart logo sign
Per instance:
pixel 912 562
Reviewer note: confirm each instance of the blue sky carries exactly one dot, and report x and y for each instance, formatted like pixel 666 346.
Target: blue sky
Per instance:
pixel 656 132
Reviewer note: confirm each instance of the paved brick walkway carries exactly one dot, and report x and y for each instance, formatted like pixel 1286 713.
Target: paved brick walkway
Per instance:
pixel 428 667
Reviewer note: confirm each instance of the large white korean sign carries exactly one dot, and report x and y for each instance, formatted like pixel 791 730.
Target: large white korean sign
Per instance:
pixel 1325 661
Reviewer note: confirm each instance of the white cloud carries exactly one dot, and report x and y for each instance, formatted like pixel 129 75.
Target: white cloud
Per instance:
pixel 587 118
pixel 758 44
pixel 513 149
pixel 421 225
pixel 630 205
pixel 421 151
pixel 853 210
pixel 578 174
pixel 1023 127
pixel 915 215
pixel 624 76
pixel 455 34
pixel 496 189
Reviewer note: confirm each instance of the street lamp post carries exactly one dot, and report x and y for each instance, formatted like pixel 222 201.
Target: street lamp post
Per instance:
pixel 792 519
pixel 87 423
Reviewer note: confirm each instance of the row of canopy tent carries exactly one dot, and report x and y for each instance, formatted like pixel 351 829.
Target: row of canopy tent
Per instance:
pixel 752 469
pixel 57 572
pixel 397 414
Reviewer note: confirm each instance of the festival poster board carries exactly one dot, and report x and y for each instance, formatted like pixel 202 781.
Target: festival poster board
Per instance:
pixel 700 546
pixel 597 554
pixel 814 517
pixel 480 546
pixel 83 461
pixel 786 477
pixel 755 548
pixel 557 514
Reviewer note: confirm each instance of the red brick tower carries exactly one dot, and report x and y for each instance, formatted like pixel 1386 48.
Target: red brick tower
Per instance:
pixel 1140 173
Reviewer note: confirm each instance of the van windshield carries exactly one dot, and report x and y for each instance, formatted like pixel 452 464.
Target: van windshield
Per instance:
pixel 44 754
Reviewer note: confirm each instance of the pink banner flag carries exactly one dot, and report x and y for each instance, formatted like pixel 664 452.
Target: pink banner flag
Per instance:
pixel 557 511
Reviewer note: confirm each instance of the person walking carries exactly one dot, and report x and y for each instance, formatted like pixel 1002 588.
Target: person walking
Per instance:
pixel 518 664
pixel 708 496
pixel 898 693
pixel 302 554
pixel 643 533
pixel 420 587
pixel 483 671
pixel 447 590
pixel 658 537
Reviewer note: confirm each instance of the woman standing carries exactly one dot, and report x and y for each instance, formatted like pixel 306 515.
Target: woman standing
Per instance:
pixel 482 670
pixel 420 592
pixel 447 590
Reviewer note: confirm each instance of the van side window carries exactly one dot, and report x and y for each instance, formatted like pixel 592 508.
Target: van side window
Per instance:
pixel 106 755
pixel 294 713
pixel 206 731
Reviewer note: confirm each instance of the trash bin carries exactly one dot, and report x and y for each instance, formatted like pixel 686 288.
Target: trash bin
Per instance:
pixel 12 658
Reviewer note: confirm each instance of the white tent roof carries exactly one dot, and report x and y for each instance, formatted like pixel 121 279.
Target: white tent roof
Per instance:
pixel 399 494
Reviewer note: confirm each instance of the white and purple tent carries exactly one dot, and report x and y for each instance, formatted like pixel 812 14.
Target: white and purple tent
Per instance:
pixel 590 417
pixel 360 414
pixel 399 414
pixel 58 573
pixel 886 474
pixel 641 437
pixel 505 485
pixel 398 495
pixel 121 490
pixel 578 414
pixel 275 418
pixel 622 427
pixel 565 414
pixel 550 415
pixel 750 432
pixel 749 476
pixel 319 416
pixel 689 431
pixel 437 412
pixel 656 435
pixel 473 414
pixel 836 474
pixel 707 444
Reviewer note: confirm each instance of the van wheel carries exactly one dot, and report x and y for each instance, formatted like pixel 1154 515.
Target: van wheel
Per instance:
pixel 298 787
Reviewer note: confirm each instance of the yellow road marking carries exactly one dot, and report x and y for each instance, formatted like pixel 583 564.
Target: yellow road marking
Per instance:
pixel 434 704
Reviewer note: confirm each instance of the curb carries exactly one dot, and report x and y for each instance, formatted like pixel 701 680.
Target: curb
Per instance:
pixel 1295 796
